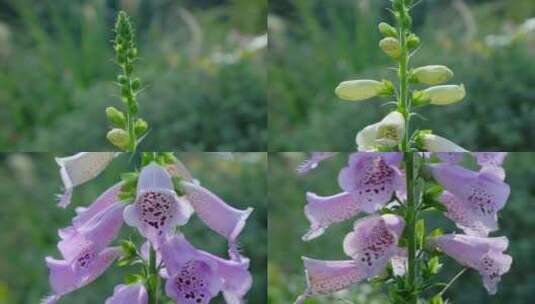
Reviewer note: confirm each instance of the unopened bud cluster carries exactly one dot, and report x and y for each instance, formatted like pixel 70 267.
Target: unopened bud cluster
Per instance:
pixel 126 127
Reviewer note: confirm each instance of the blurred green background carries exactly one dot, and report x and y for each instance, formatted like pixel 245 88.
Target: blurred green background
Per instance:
pixel 203 62
pixel 29 220
pixel 315 44
pixel 287 224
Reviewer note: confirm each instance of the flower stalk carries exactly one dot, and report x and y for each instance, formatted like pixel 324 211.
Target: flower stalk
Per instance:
pixel 129 129
pixel 404 104
pixel 410 219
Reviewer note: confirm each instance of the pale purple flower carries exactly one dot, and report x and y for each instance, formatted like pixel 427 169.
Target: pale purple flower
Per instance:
pixel 473 198
pixel 372 178
pixel 216 214
pixel 482 254
pixel 157 209
pixel 491 162
pixel 129 294
pixel 369 182
pixel 325 277
pixel 314 161
pixel 80 168
pixel 372 244
pixel 373 241
pixel 85 251
pixel 323 211
pixel 196 276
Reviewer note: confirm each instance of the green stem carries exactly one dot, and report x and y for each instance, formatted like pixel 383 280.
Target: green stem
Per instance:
pixel 153 280
pixel 130 115
pixel 458 275
pixel 410 218
pixel 404 101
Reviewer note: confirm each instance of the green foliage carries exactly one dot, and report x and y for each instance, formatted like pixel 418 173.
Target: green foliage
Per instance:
pixel 57 75
pixel 29 219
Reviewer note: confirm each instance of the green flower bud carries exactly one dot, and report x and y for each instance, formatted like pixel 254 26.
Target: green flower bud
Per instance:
pixel 413 41
pixel 445 94
pixel 431 74
pixel 116 117
pixel 136 84
pixel 118 137
pixel 132 53
pixel 129 69
pixel 387 30
pixel 122 79
pixel 125 91
pixel 140 127
pixel 391 47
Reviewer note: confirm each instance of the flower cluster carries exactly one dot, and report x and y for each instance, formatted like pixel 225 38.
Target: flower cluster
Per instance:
pixel 392 133
pixel 376 187
pixel 158 199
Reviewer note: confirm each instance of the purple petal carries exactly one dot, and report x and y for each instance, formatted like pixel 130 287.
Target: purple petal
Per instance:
pixel 494 159
pixel 481 191
pixel 105 200
pixel 372 178
pixel 129 294
pixel 157 209
pixel 373 241
pixel 324 277
pixel 324 211
pixel 400 262
pixel 215 213
pixel 178 169
pixel 207 274
pixel 471 220
pixel 483 254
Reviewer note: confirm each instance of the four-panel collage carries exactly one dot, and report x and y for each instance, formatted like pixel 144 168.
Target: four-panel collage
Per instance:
pixel 267 151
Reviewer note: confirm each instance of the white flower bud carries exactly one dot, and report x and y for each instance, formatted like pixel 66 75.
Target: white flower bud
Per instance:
pixel 355 90
pixel 432 74
pixel 445 94
pixel 435 143
pixel 391 47
pixel 386 133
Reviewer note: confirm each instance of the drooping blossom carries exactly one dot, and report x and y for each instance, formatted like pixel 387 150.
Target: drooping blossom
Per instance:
pixel 157 209
pixel 473 199
pixel 491 162
pixel 371 245
pixel 482 254
pixel 314 161
pixel 216 214
pixel 80 168
pixel 129 294
pixel 386 133
pixel 369 182
pixel 196 276
pixel 373 241
pixel 372 178
pixel 85 251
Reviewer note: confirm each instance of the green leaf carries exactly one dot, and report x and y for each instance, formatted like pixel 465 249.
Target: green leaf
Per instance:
pixel 129 177
pixel 132 278
pixel 129 248
pixel 420 232
pixel 434 265
pixel 436 232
